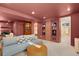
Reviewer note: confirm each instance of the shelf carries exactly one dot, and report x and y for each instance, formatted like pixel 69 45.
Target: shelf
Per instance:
pixel 6 27
pixel 43 30
pixel 54 31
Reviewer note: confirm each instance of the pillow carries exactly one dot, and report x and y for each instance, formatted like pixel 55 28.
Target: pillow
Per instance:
pixel 21 41
pixel 20 36
pixel 37 41
pixel 30 37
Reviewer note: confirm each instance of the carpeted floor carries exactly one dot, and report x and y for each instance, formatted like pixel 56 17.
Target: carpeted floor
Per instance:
pixel 59 49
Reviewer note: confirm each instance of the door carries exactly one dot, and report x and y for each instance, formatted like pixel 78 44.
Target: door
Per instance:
pixel 65 26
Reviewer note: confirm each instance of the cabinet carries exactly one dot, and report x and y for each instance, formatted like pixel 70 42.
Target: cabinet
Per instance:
pixel 43 30
pixel 28 28
pixel 54 28
pixel 54 31
pixel 51 31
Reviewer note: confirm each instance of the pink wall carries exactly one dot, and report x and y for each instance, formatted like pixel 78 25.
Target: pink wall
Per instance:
pixel 74 27
pixel 48 29
pixel 39 28
pixel 5 27
pixel 58 36
pixel 18 28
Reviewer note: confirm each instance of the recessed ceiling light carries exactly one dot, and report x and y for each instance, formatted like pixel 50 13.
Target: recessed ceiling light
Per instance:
pixel 9 21
pixel 6 23
pixel 44 17
pixel 33 12
pixel 68 9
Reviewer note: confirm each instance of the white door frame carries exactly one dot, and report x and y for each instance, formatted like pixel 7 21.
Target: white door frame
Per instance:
pixel 63 39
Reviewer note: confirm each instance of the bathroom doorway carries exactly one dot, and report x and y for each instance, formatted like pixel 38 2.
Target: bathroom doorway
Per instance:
pixel 65 28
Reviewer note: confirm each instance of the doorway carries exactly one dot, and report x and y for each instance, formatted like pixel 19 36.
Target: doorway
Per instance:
pixel 65 30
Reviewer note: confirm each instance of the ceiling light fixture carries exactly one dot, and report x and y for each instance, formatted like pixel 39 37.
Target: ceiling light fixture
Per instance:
pixel 33 12
pixel 44 17
pixel 9 21
pixel 68 9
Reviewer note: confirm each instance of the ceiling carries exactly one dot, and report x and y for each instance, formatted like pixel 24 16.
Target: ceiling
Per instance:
pixel 49 10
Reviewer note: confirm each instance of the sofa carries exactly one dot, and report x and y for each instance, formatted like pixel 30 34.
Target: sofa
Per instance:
pixel 16 44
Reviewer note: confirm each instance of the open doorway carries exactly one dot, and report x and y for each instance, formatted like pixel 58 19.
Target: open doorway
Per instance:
pixel 65 28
